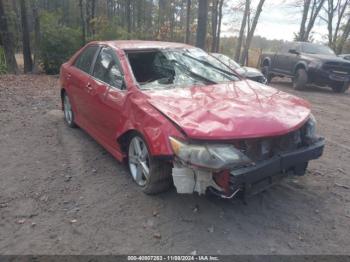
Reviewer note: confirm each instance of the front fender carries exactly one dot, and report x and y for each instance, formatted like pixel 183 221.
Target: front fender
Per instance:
pixel 151 124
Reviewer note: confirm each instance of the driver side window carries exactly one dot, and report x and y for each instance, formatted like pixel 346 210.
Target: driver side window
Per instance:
pixel 107 68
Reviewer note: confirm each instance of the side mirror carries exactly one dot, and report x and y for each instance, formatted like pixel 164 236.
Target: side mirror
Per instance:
pixel 293 51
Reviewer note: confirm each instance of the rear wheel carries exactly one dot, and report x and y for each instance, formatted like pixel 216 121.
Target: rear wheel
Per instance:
pixel 68 111
pixel 152 175
pixel 300 79
pixel 341 87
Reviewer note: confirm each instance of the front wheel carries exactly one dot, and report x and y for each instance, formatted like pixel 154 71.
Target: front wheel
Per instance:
pixel 152 175
pixel 300 79
pixel 341 87
pixel 266 72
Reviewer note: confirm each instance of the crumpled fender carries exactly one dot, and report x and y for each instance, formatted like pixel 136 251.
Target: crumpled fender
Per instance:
pixel 153 126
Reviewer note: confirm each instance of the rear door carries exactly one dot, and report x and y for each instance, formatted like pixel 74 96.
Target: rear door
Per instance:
pixel 108 94
pixel 279 64
pixel 290 59
pixel 79 79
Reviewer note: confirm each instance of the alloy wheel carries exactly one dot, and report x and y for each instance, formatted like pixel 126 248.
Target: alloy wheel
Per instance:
pixel 138 158
pixel 68 113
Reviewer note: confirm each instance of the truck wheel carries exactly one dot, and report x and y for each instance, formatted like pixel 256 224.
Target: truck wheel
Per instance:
pixel 152 175
pixel 341 87
pixel 266 72
pixel 300 79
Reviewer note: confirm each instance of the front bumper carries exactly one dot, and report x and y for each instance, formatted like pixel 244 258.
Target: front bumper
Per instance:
pixel 323 77
pixel 257 178
pixel 249 180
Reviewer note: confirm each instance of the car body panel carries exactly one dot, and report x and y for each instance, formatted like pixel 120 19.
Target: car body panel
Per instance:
pixel 241 109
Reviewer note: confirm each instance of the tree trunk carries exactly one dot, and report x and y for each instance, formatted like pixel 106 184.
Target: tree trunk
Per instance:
pixel 128 17
pixel 188 21
pixel 316 10
pixel 343 38
pixel 340 17
pixel 82 21
pixel 27 55
pixel 214 24
pixel 36 19
pixel 217 45
pixel 251 32
pixel 7 40
pixel 93 13
pixel 241 31
pixel 304 19
pixel 202 23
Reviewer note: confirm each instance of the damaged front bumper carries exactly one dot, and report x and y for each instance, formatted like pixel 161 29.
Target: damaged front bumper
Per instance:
pixel 250 180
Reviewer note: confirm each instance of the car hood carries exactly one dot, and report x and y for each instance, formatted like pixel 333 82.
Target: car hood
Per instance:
pixel 242 109
pixel 248 72
pixel 327 58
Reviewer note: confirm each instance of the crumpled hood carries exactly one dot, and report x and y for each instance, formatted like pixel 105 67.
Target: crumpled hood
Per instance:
pixel 242 109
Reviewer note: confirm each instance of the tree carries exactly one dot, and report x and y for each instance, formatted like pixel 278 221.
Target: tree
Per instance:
pixel 334 13
pixel 202 23
pixel 217 45
pixel 241 31
pixel 188 20
pixel 214 23
pixel 311 10
pixel 344 37
pixel 128 16
pixel 251 31
pixel 36 49
pixel 7 41
pixel 82 22
pixel 27 55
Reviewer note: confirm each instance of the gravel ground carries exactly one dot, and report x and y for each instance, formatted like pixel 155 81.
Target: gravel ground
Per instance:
pixel 62 193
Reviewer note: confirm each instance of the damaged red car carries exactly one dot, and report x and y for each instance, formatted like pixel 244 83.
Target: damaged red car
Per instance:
pixel 179 116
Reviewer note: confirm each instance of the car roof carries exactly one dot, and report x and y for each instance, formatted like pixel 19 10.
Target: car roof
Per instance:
pixel 141 44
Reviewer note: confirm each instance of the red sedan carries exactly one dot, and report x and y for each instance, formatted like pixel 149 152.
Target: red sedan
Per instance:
pixel 179 116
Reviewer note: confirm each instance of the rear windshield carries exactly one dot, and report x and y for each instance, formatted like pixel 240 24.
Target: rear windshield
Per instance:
pixel 168 68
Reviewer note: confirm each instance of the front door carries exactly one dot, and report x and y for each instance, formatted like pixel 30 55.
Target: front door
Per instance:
pixel 108 94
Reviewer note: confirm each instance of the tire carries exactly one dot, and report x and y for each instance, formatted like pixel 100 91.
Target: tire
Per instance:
pixel 68 111
pixel 341 87
pixel 300 79
pixel 266 72
pixel 152 175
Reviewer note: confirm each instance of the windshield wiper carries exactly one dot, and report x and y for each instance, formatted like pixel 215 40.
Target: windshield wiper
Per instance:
pixel 193 74
pixel 211 65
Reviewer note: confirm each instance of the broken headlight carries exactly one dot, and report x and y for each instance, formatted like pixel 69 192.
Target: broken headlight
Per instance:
pixel 213 156
pixel 310 130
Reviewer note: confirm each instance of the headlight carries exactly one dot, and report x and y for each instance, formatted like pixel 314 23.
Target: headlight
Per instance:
pixel 310 129
pixel 215 157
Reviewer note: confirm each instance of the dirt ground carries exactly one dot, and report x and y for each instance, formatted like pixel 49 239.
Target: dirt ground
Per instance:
pixel 62 193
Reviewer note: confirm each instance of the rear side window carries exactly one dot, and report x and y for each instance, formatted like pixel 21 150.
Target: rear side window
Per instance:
pixel 86 58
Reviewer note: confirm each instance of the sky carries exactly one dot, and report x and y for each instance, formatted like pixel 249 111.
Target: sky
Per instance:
pixel 278 20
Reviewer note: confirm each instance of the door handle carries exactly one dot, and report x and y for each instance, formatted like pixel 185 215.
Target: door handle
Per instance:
pixel 89 86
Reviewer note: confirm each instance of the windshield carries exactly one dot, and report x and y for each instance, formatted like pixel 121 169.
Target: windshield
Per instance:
pixel 168 68
pixel 317 49
pixel 227 61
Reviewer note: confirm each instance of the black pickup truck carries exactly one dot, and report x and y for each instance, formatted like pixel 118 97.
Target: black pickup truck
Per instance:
pixel 307 63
